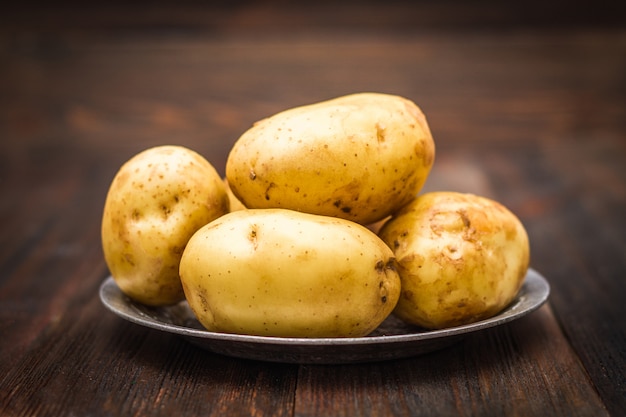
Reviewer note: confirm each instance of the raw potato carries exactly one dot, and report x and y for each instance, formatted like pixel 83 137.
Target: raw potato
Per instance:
pixel 277 272
pixel 155 203
pixel 234 202
pixel 359 157
pixel 461 258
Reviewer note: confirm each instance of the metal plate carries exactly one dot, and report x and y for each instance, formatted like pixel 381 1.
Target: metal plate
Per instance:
pixel 391 340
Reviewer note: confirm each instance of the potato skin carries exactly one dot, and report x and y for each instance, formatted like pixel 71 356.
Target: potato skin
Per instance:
pixel 461 258
pixel 359 157
pixel 233 201
pixel 278 272
pixel 155 203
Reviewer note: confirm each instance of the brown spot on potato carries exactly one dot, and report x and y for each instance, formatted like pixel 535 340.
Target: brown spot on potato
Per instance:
pixel 380 132
pixel 380 265
pixel 466 220
pixel 129 259
pixel 253 236
pixel 165 210
pixel 267 190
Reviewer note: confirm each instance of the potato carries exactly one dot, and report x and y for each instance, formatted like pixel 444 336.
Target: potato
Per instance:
pixel 233 201
pixel 156 201
pixel 359 157
pixel 278 272
pixel 461 258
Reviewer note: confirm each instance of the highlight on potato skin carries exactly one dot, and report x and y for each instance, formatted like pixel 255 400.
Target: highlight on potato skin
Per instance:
pixel 155 203
pixel 359 157
pixel 461 258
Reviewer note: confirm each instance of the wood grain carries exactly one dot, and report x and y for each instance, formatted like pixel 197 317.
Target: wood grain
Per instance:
pixel 463 380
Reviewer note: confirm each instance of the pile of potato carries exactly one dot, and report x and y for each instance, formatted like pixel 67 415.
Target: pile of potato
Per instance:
pixel 285 245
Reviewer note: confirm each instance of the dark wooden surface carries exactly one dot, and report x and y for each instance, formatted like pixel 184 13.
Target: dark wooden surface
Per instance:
pixel 526 105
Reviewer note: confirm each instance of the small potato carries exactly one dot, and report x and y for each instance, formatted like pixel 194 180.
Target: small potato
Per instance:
pixel 359 157
pixel 156 201
pixel 277 272
pixel 461 258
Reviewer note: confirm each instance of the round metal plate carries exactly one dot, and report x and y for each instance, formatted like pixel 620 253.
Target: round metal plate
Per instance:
pixel 393 339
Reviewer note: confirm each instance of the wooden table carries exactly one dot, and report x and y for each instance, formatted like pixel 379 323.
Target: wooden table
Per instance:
pixel 533 116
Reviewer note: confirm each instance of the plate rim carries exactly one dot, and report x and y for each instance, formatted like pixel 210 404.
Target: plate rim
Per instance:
pixel 534 284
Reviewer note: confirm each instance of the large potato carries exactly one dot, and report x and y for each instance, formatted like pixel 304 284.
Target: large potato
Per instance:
pixel 461 258
pixel 156 201
pixel 277 272
pixel 359 157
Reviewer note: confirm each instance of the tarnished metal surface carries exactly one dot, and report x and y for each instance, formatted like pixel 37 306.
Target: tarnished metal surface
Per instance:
pixel 393 339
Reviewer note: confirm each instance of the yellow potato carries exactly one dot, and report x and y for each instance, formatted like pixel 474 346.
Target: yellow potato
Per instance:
pixel 234 202
pixel 156 201
pixel 277 272
pixel 461 258
pixel 359 157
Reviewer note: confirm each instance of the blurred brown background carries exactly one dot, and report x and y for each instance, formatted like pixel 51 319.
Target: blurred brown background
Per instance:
pixel 224 16
pixel 85 73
